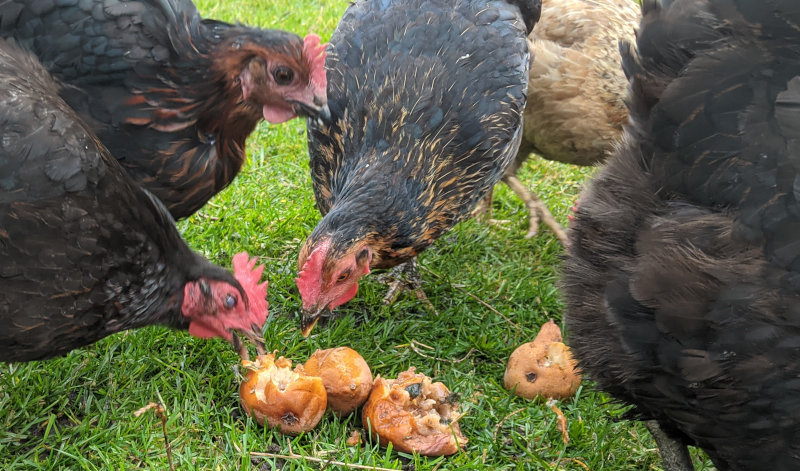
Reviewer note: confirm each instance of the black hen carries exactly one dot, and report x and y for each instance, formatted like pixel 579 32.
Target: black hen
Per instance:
pixel 84 252
pixel 171 95
pixel 426 101
pixel 682 281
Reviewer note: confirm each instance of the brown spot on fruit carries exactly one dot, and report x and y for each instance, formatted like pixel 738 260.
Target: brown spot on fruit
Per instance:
pixel 289 418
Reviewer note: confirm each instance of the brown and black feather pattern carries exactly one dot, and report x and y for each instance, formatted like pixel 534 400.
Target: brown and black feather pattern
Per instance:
pixel 426 99
pixel 84 252
pixel 149 77
pixel 682 281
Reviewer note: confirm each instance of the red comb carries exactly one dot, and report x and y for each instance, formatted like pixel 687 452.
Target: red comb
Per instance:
pixel 249 275
pixel 315 52
pixel 309 280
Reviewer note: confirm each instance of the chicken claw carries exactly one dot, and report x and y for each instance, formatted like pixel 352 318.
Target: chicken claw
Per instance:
pixel 536 210
pixel 406 277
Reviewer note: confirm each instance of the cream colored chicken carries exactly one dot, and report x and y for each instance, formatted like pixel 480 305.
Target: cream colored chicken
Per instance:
pixel 576 92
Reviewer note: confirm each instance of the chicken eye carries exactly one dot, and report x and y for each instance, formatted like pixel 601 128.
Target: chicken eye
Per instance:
pixel 343 277
pixel 230 301
pixel 283 75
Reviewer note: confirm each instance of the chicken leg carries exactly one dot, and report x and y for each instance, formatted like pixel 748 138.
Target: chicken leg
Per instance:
pixel 673 453
pixel 406 277
pixel 537 210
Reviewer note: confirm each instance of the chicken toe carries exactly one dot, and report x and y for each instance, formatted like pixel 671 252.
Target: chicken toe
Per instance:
pixel 537 210
pixel 406 277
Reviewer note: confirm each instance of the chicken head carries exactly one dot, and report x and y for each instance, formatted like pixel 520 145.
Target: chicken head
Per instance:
pixel 328 280
pixel 215 308
pixel 284 85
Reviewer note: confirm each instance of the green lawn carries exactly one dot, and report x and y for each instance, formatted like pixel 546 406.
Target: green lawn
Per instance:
pixel 77 412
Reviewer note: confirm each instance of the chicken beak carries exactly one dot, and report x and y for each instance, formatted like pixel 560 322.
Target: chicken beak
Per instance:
pixel 240 347
pixel 256 336
pixel 319 109
pixel 309 319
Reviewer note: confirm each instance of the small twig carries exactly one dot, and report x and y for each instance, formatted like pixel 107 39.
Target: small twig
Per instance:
pixel 422 344
pixel 476 298
pixel 487 305
pixel 578 462
pixel 500 424
pixel 561 420
pixel 293 456
pixel 414 343
pixel 161 412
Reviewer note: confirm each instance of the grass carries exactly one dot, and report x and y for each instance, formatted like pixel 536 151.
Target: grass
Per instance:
pixel 77 412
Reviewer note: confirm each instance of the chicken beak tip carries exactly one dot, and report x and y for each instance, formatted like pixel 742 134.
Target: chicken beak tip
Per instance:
pixel 307 326
pixel 324 113
pixel 309 319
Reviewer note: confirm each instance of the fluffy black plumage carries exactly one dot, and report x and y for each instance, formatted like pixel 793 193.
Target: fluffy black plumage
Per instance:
pixel 426 100
pixel 84 252
pixel 163 88
pixel 682 281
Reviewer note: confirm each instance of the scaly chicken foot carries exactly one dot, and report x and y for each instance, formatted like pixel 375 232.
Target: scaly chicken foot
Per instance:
pixel 537 210
pixel 406 277
pixel 673 453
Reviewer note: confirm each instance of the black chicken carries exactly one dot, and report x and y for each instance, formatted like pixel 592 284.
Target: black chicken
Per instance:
pixel 426 101
pixel 682 280
pixel 84 252
pixel 171 95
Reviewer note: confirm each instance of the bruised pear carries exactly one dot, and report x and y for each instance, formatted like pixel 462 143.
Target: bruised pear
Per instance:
pixel 345 375
pixel 544 367
pixel 414 415
pixel 284 398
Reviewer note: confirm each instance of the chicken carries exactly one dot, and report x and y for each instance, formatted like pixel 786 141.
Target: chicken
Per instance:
pixel 85 252
pixel 171 95
pixel 426 101
pixel 682 279
pixel 576 92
